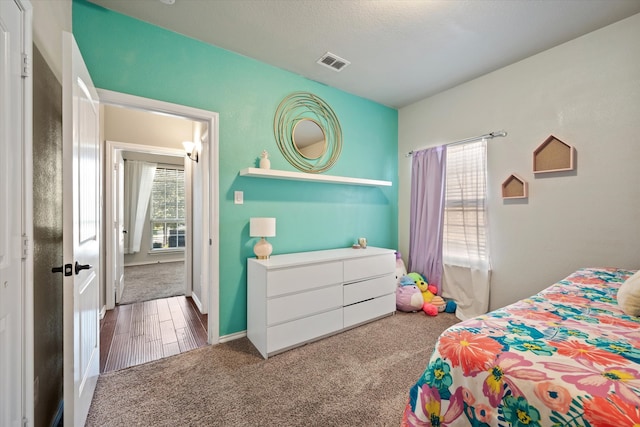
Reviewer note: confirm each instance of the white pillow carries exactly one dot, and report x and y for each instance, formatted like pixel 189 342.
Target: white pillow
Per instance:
pixel 629 295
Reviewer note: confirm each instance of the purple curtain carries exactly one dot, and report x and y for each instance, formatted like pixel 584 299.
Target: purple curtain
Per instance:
pixel 427 209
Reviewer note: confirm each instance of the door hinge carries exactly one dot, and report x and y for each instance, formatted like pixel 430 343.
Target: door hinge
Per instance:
pixel 25 66
pixel 25 422
pixel 25 246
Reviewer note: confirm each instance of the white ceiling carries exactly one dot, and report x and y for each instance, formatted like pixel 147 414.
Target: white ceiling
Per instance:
pixel 400 51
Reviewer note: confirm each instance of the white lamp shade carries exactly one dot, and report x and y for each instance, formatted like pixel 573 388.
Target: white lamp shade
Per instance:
pixel 188 146
pixel 262 227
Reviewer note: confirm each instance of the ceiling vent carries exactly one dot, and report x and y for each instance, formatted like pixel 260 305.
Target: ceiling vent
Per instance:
pixel 333 61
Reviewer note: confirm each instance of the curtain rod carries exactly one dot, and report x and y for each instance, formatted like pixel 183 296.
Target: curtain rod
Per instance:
pixel 475 138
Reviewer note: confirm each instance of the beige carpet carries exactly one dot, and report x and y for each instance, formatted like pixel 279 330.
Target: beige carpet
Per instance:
pixel 360 377
pixel 152 281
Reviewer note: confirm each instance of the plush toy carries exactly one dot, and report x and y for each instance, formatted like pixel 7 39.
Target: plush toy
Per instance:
pixel 401 270
pixel 451 306
pixel 416 277
pixel 409 298
pixel 428 292
pixel 430 309
pixel 406 281
pixel 414 293
pixel 439 303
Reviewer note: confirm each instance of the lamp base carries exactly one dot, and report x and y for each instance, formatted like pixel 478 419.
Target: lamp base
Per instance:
pixel 262 249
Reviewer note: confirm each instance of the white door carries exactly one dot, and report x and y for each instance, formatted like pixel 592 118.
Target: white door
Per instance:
pixel 118 225
pixel 81 225
pixel 11 188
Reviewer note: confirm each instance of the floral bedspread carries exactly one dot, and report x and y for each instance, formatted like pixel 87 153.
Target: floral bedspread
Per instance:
pixel 568 356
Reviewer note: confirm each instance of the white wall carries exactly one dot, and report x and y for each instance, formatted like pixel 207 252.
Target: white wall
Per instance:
pixel 50 18
pixel 585 92
pixel 140 127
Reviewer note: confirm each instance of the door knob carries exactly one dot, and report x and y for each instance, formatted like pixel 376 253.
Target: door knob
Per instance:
pixel 66 269
pixel 81 267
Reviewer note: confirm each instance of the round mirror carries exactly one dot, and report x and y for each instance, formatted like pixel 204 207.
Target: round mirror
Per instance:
pixel 308 132
pixel 309 139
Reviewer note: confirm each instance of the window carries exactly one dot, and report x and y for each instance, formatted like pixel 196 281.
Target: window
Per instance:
pixel 168 209
pixel 465 222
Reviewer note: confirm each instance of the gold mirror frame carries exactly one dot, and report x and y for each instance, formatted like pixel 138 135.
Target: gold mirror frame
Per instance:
pixel 301 106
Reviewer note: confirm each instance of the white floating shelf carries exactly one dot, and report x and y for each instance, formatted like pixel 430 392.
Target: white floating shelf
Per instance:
pixel 301 176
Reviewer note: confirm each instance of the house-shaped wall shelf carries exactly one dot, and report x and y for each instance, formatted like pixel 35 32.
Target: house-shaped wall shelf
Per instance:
pixel 553 155
pixel 515 187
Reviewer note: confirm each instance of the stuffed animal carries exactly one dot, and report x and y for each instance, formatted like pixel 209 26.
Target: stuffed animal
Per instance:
pixel 414 293
pixel 430 309
pixel 451 306
pixel 401 270
pixel 439 303
pixel 406 281
pixel 416 277
pixel 428 293
pixel 409 298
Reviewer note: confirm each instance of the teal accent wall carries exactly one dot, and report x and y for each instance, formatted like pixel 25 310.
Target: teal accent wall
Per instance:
pixel 127 55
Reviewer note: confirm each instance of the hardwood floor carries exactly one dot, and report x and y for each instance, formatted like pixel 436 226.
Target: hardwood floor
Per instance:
pixel 141 332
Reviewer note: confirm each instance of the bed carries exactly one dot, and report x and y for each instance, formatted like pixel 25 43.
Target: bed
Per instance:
pixel 567 356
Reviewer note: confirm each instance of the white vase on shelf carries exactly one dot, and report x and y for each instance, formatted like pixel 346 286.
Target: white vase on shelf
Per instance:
pixel 265 163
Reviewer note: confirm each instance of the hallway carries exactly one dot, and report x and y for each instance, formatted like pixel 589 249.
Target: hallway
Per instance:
pixel 142 332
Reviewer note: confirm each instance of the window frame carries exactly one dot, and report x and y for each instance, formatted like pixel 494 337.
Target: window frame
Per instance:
pixel 453 203
pixel 178 221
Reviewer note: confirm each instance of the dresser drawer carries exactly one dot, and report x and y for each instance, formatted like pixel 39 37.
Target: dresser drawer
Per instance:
pixel 297 332
pixel 300 297
pixel 369 310
pixel 363 268
pixel 372 288
pixel 303 278
pixel 294 306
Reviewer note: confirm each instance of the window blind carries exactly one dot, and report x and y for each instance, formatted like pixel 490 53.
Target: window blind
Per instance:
pixel 464 234
pixel 168 208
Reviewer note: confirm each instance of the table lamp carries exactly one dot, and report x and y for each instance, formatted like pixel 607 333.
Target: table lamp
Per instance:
pixel 262 227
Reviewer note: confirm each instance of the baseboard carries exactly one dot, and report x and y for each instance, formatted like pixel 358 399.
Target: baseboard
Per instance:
pixel 196 300
pixel 164 261
pixel 231 337
pixel 57 420
pixel 103 311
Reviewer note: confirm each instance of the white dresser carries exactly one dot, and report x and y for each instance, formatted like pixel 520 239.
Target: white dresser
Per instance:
pixel 296 298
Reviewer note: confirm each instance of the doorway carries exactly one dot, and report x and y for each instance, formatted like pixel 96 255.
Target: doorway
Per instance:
pixel 201 269
pixel 150 212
